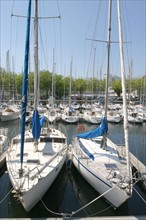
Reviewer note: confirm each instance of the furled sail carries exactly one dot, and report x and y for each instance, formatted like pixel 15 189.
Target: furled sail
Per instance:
pixel 25 83
pixel 37 124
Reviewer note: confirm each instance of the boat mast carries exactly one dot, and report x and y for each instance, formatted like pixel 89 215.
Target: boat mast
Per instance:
pixel 70 82
pixel 36 81
pixel 108 57
pixel 53 72
pixel 25 87
pixel 93 75
pixel 126 127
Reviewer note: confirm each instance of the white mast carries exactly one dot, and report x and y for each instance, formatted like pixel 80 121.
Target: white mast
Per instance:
pixel 126 127
pixel 93 75
pixel 53 73
pixel 108 57
pixel 36 81
pixel 70 81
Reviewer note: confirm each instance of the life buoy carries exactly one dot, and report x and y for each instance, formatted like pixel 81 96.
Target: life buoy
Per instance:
pixel 80 128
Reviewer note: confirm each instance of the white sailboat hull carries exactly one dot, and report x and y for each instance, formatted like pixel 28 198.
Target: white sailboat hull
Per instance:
pixel 92 118
pixel 31 197
pixel 135 120
pixel 10 113
pixel 113 118
pixel 40 167
pixel 115 197
pixel 10 116
pixel 107 186
pixel 54 118
pixel 69 119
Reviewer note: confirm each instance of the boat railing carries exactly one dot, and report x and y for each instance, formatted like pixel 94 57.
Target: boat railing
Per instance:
pixel 46 164
pixel 114 146
pixel 12 166
pixel 31 174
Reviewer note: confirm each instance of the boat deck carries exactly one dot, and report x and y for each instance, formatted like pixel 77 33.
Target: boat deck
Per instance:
pixel 105 161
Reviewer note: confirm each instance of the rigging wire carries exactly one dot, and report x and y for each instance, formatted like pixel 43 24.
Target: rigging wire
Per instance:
pixel 11 22
pixel 58 9
pixel 43 48
pixel 85 44
pixel 124 9
pixel 13 6
pixel 92 45
pixel 60 45
pixel 139 195
pixel 11 27
pixel 16 37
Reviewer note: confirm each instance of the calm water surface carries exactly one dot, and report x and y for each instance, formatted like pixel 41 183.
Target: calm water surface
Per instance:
pixel 70 192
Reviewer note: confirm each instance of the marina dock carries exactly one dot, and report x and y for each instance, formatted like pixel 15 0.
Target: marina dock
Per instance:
pixel 136 163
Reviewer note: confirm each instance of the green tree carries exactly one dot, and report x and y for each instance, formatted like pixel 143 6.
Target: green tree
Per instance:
pixel 117 87
pixel 45 83
pixel 80 85
pixel 59 86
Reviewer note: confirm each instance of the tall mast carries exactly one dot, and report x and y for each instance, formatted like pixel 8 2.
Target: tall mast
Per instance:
pixel 25 85
pixel 53 73
pixel 108 57
pixel 93 74
pixel 126 127
pixel 36 81
pixel 70 81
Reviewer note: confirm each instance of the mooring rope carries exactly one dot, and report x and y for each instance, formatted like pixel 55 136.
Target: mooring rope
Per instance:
pixel 6 195
pixel 140 195
pixel 73 213
pixel 56 213
pixel 103 210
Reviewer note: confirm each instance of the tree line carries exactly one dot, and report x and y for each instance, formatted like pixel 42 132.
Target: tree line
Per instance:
pixel 11 84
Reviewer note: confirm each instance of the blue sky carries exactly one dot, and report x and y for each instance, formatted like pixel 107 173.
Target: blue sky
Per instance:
pixel 67 37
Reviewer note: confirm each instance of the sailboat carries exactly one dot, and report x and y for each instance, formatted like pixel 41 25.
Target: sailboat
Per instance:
pixel 52 114
pixel 3 145
pixel 11 112
pixel 69 114
pixel 35 157
pixel 96 157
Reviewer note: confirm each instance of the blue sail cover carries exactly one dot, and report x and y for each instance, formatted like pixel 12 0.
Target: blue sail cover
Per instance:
pixel 102 129
pixel 71 109
pixel 37 124
pixel 42 120
pixel 25 82
pixel 86 151
pixel 75 101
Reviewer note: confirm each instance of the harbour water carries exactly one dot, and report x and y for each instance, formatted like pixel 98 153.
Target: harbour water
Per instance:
pixel 70 192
